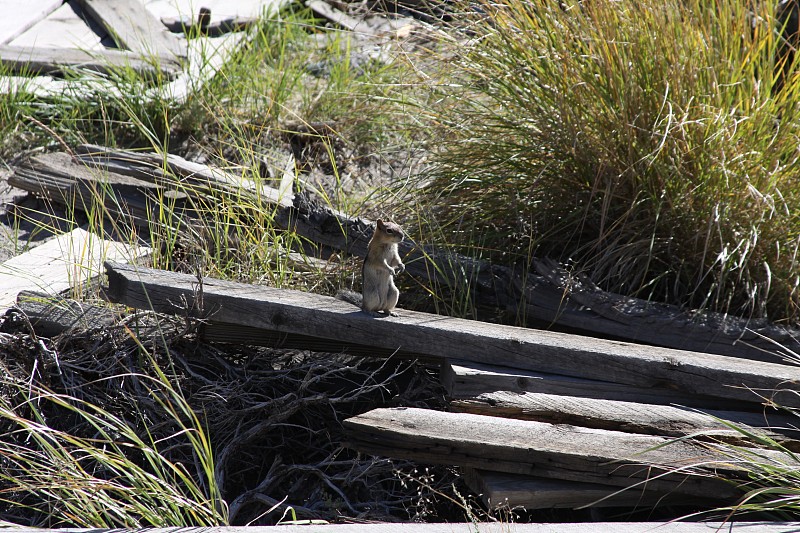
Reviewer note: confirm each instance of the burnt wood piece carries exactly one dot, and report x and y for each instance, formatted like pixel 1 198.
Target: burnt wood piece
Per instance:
pixel 439 336
pixel 60 61
pixel 132 26
pixel 552 451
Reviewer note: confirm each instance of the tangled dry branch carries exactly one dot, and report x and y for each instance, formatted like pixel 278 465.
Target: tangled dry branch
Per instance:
pixel 273 416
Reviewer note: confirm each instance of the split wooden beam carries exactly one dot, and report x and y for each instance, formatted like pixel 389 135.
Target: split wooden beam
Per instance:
pixel 632 417
pixel 564 452
pixel 133 27
pixel 443 337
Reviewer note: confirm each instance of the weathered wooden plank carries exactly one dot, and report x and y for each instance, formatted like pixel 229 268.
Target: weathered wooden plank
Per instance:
pixel 547 450
pixel 501 490
pixel 150 166
pixel 21 15
pixel 630 417
pixel 133 27
pixel 60 178
pixel 464 379
pixel 438 336
pixel 63 28
pixel 51 315
pixel 69 261
pixel 58 61
pixel 589 308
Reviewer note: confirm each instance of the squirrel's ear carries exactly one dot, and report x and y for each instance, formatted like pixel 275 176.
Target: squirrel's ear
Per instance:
pixel 380 223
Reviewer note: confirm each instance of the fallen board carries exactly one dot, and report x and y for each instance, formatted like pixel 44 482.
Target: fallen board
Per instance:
pixel 53 315
pixel 439 336
pixel 551 451
pixel 69 261
pixel 60 61
pixel 629 417
pixel 60 178
pixel 465 379
pixel 501 490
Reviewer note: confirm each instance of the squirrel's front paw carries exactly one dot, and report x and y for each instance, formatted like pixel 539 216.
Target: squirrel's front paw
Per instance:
pixel 399 269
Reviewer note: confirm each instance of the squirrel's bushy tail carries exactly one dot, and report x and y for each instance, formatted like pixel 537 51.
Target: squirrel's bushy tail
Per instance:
pixel 351 297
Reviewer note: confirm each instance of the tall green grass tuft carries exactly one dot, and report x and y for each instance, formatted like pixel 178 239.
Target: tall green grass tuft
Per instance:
pixel 108 474
pixel 653 144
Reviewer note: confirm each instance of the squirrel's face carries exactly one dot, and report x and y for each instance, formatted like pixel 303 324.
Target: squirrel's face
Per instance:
pixel 392 232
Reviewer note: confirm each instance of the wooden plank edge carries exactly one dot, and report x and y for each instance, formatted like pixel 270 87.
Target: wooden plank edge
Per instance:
pixel 61 61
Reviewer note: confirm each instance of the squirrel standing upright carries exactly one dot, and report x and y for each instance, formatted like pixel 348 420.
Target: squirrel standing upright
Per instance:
pixel 379 293
pixel 380 266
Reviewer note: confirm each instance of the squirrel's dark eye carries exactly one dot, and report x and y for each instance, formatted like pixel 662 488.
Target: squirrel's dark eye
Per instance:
pixel 389 231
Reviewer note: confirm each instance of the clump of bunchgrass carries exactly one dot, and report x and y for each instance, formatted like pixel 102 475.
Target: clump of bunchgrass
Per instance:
pixel 651 144
pixel 110 475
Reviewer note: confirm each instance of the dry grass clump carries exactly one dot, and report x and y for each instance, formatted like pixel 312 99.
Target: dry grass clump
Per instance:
pixel 653 144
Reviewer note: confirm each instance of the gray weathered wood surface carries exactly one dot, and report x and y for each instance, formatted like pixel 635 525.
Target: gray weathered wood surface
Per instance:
pixel 502 490
pixel 629 417
pixel 439 336
pixel 59 61
pixel 64 27
pixel 69 261
pixel 132 26
pixel 547 450
pixel 20 15
pixel 464 379
pixel 151 167
pixel 60 178
pixel 51 315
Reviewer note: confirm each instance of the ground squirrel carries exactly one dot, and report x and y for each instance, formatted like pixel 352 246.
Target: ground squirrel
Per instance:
pixel 379 293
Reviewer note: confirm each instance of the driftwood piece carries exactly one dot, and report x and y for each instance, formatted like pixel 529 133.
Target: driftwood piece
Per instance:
pixel 438 336
pixel 665 325
pixel 630 417
pixel 202 178
pixel 59 61
pixel 502 490
pixel 545 450
pixel 58 177
pixel 133 27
